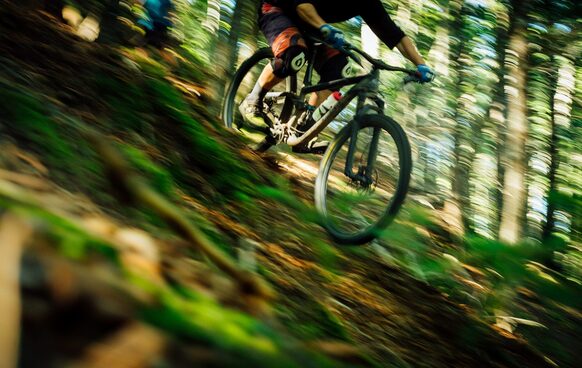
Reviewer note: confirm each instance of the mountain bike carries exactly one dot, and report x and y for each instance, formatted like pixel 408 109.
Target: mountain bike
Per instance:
pixel 364 174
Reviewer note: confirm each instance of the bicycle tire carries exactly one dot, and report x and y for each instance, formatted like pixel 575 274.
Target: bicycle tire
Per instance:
pixel 231 92
pixel 405 167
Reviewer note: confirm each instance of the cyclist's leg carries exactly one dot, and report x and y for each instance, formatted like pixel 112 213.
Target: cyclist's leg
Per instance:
pixel 330 64
pixel 252 106
pixel 289 49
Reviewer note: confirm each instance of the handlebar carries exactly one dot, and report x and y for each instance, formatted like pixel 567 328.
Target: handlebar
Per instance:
pixel 351 52
pixel 412 74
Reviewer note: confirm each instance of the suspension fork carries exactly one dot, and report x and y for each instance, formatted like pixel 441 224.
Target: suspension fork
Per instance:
pixel 372 155
pixel 349 169
pixel 364 175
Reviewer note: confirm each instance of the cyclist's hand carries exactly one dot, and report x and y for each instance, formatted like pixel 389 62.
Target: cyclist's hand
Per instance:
pixel 333 36
pixel 425 74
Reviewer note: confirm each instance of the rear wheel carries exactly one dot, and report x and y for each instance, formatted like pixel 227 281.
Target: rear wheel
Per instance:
pixel 356 210
pixel 242 84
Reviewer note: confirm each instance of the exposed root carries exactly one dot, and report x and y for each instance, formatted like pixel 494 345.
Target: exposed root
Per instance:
pixel 132 188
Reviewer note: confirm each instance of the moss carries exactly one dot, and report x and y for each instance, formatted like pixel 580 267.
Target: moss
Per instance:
pixel 204 321
pixel 27 120
pixel 158 177
pixel 127 103
pixel 188 315
pixel 312 321
pixel 221 168
pixel 67 237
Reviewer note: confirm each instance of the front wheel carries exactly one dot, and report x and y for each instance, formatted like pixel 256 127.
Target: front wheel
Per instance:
pixel 359 191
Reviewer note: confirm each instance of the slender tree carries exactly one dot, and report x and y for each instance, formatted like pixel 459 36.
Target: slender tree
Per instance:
pixel 514 196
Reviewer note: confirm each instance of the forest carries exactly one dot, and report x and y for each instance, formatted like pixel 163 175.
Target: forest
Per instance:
pixel 136 230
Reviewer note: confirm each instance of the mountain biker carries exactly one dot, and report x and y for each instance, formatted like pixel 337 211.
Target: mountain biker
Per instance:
pixel 283 22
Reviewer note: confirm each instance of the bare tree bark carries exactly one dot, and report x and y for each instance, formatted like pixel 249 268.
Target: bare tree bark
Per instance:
pixel 497 113
pixel 456 207
pixel 514 196
pixel 554 162
pixel 561 120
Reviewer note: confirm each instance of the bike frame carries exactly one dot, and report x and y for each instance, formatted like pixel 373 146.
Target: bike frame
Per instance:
pixel 365 88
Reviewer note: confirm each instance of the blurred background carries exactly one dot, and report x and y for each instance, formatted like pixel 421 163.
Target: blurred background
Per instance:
pixel 496 136
pixel 493 220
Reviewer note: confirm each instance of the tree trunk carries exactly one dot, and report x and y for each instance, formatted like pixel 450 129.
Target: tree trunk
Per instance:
pixel 497 114
pixel 243 21
pixel 561 123
pixel 554 162
pixel 459 203
pixel 514 196
pixel 227 45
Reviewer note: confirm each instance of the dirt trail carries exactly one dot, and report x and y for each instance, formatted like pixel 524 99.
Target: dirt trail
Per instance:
pixel 400 321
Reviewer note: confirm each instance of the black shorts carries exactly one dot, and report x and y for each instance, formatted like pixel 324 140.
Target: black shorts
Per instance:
pixel 283 32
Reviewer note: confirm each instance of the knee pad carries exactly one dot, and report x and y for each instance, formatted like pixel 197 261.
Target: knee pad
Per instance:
pixel 290 62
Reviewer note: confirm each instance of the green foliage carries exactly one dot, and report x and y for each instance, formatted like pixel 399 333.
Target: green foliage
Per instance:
pixel 218 165
pixel 505 269
pixel 127 103
pixel 157 176
pixel 312 321
pixel 27 119
pixel 282 195
pixel 457 129
pixel 40 128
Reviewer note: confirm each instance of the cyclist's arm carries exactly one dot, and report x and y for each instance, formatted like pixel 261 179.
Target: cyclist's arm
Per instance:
pixel 308 14
pixel 384 27
pixel 409 51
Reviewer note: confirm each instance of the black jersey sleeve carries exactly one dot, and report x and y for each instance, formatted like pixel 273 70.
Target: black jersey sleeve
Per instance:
pixel 380 22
